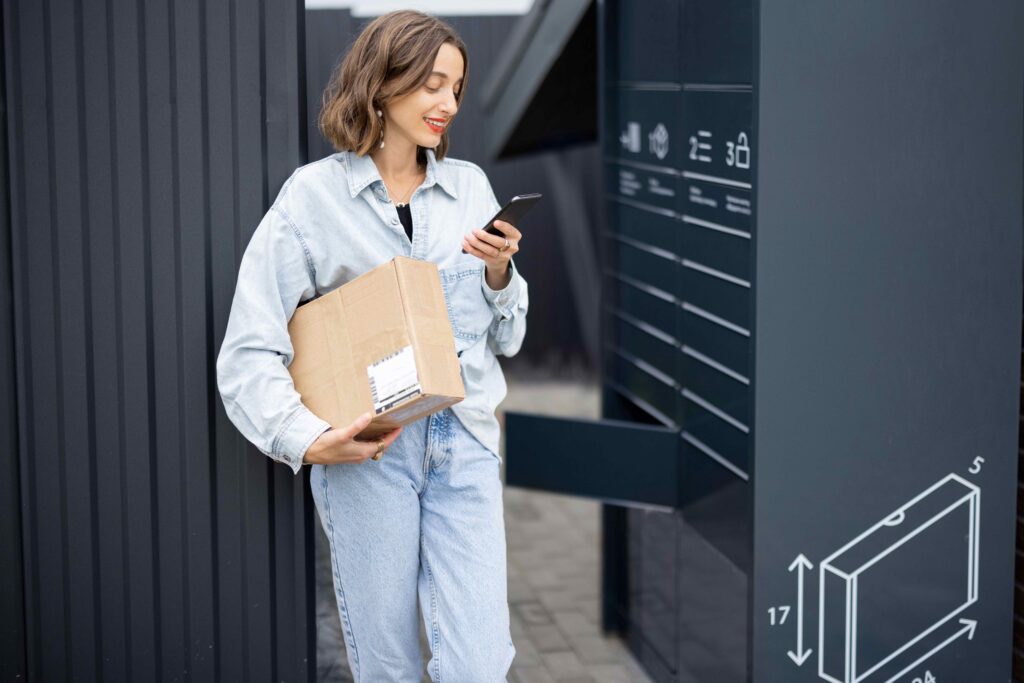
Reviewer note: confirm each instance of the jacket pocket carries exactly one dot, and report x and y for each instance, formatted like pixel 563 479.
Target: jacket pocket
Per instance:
pixel 468 310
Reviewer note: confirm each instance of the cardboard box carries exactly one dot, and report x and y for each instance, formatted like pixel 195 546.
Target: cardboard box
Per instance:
pixel 381 343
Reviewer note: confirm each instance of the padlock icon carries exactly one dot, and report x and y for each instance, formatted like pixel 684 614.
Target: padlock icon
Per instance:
pixel 742 151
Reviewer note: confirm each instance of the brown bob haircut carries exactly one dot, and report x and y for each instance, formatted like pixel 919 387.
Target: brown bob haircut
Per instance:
pixel 392 56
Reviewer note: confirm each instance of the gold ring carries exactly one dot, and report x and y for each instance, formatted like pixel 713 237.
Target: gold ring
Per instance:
pixel 504 248
pixel 380 450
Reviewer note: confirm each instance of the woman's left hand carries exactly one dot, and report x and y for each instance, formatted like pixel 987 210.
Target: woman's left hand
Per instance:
pixel 495 250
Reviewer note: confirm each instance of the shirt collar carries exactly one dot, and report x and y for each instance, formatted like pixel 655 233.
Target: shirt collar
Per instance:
pixel 362 172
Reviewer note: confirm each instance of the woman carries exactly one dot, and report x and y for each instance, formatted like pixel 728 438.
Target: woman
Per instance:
pixel 426 520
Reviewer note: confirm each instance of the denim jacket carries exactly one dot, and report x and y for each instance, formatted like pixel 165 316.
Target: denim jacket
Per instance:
pixel 331 222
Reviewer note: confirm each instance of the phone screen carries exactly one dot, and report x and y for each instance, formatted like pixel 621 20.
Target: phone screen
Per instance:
pixel 513 211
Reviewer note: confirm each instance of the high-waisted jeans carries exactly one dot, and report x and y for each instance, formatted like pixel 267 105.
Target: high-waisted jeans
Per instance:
pixel 425 519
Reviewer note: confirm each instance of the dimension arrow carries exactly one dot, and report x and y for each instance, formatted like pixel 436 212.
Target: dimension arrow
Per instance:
pixel 800 564
pixel 970 625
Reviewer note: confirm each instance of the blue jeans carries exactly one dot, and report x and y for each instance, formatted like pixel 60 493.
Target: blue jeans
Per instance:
pixel 425 519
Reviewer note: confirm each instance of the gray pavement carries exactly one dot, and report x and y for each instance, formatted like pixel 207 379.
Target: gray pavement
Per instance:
pixel 553 571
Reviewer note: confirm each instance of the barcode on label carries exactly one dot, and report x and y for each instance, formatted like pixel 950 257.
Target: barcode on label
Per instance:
pixel 393 379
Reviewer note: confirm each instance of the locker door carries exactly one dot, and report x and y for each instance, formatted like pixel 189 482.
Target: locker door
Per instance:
pixel 627 463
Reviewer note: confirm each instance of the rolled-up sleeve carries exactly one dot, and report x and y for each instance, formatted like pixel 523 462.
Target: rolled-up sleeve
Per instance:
pixel 276 273
pixel 510 304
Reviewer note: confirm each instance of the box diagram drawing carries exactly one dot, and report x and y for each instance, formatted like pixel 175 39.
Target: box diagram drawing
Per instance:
pixel 899 581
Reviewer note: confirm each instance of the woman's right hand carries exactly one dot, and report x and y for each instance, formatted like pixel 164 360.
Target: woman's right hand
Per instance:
pixel 340 445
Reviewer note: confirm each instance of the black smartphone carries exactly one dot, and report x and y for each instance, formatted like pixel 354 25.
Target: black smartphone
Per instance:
pixel 511 212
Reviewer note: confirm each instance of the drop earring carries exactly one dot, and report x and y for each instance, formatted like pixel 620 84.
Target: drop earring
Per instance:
pixel 380 115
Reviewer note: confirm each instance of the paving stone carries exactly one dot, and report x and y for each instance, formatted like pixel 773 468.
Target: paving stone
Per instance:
pixel 530 674
pixel 557 600
pixel 596 649
pixel 526 653
pixel 543 578
pixel 518 591
pixel 547 638
pixel 590 608
pixel 533 613
pixel 609 673
pixel 574 624
pixel 563 664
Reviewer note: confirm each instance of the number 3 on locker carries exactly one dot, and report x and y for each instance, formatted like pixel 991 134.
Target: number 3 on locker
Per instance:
pixel 738 153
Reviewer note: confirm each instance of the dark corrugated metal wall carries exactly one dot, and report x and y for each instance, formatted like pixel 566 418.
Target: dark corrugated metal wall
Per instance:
pixel 12 624
pixel 146 139
pixel 1018 583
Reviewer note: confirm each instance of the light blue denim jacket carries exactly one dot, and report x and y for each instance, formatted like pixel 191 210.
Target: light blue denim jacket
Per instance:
pixel 331 222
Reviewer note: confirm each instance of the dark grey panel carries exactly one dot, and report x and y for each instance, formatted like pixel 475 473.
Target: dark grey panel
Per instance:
pixel 717 41
pixel 668 205
pixel 612 460
pixel 718 339
pixel 158 544
pixel 645 385
pixel 652 595
pixel 718 207
pixel 645 264
pixel 888 335
pixel 1018 585
pixel 658 598
pixel 716 255
pixel 726 437
pixel 642 341
pixel 717 136
pixel 723 297
pixel 328 34
pixel 12 605
pixel 712 594
pixel 643 304
pixel 718 388
pixel 644 223
pixel 645 126
pixel 642 46
pixel 644 187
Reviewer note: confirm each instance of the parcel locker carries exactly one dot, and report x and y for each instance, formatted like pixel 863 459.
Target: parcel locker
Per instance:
pixel 811 297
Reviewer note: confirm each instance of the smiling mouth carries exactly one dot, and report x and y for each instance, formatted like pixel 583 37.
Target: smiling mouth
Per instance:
pixel 436 125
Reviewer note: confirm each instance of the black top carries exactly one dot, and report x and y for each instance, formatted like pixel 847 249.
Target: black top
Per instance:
pixel 405 215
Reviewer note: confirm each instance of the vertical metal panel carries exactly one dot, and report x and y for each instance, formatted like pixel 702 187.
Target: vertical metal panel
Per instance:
pixel 888 322
pixel 1018 579
pixel 146 141
pixel 329 33
pixel 12 606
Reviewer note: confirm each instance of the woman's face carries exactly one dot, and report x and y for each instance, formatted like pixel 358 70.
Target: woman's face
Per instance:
pixel 421 116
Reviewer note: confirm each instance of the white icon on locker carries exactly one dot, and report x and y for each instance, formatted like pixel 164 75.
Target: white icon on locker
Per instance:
pixel 658 141
pixel 738 153
pixel 700 145
pixel 935 536
pixel 630 137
